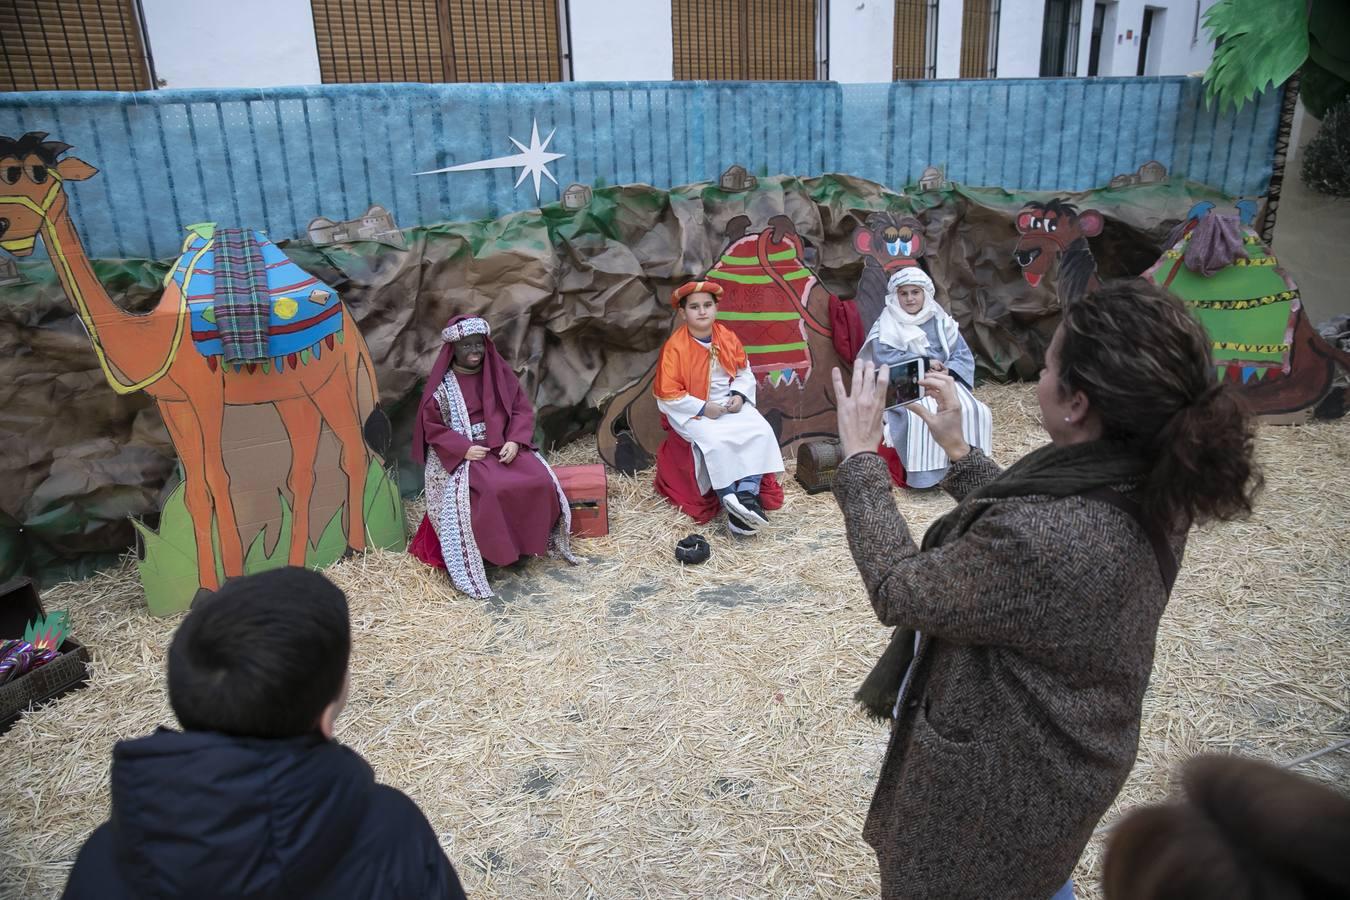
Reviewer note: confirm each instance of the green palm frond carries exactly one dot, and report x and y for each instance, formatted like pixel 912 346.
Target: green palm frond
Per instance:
pixel 1261 43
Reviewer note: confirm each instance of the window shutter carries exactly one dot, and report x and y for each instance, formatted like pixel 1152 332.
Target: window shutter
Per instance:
pixel 914 22
pixel 72 45
pixel 438 40
pixel 745 40
pixel 979 38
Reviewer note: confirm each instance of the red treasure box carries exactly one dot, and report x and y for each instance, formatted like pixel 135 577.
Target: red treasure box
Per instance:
pixel 19 605
pixel 587 495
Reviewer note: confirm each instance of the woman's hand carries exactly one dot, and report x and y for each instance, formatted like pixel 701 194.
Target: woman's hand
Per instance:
pixel 508 452
pixel 860 411
pixel 476 452
pixel 945 424
pixel 936 365
pixel 713 410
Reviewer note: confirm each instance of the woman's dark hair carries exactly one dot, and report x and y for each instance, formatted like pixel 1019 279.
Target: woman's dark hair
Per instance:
pixel 261 657
pixel 1246 830
pixel 1144 363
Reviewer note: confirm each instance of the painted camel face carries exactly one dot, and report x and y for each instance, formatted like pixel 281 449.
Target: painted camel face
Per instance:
pixel 1047 230
pixel 892 242
pixel 30 187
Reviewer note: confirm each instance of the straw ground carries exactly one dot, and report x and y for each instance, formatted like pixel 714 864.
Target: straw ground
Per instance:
pixel 628 728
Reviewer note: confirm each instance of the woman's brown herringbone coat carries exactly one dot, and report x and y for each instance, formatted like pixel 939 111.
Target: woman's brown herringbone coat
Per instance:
pixel 1020 719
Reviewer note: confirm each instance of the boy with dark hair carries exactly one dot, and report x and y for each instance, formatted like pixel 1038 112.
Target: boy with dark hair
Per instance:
pixel 706 390
pixel 254 798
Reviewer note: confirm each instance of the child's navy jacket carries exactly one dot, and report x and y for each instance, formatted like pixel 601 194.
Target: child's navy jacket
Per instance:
pixel 202 815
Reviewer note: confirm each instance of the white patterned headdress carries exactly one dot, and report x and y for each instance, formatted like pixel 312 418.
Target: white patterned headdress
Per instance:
pixel 465 327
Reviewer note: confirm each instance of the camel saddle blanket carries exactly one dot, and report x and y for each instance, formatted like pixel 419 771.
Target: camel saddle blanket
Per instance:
pixel 304 315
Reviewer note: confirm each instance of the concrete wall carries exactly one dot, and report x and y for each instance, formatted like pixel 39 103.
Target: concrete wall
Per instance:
pixel 862 44
pixel 627 41
pixel 244 43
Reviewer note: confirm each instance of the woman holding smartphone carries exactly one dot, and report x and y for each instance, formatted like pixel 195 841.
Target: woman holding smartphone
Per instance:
pixel 1036 600
pixel 912 326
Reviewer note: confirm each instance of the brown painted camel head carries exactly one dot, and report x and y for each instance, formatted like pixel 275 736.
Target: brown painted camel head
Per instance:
pixel 890 241
pixel 31 175
pixel 1051 230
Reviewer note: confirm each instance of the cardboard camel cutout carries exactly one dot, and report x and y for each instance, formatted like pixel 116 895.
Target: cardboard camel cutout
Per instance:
pixel 1261 338
pixel 1056 231
pixel 173 354
pixel 888 243
pixel 782 313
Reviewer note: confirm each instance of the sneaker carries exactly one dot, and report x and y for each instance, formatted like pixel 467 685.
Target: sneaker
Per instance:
pixel 752 503
pixel 735 503
pixel 738 526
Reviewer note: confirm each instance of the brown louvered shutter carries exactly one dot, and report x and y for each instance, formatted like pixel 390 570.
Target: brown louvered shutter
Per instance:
pixel 745 40
pixel 915 42
pixel 72 45
pixel 979 38
pixel 438 40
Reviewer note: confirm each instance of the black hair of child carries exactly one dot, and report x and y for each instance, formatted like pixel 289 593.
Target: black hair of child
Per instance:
pixel 262 657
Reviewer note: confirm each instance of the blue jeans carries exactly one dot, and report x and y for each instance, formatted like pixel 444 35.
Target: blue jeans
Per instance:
pixel 1064 893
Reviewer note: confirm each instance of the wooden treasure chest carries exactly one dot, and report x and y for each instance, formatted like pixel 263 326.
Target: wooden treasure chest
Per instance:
pixel 587 495
pixel 817 461
pixel 19 605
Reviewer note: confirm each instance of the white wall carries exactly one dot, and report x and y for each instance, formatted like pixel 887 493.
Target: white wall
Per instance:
pixel 243 43
pixel 1020 29
pixel 1183 51
pixel 622 41
pixel 862 46
pixel 949 39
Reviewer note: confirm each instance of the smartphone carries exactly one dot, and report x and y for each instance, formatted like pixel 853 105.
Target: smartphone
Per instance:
pixel 904 387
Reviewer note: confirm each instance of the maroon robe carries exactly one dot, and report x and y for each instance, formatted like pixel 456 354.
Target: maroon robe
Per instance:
pixel 513 507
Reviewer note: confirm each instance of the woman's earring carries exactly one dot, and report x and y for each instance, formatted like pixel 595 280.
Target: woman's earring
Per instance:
pixel 1068 418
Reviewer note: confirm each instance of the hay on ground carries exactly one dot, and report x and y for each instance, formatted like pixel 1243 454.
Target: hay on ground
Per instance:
pixel 628 728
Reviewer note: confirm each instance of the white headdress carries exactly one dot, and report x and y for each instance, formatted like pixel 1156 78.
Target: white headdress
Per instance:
pixel 901 330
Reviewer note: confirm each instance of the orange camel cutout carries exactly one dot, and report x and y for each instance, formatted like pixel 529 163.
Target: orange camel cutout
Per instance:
pixel 143 352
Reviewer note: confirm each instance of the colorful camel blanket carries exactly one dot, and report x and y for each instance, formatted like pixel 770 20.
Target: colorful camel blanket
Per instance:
pixel 303 316
pixel 1248 307
pixel 766 287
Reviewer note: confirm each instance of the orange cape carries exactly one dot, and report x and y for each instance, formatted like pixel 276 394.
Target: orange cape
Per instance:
pixel 686 365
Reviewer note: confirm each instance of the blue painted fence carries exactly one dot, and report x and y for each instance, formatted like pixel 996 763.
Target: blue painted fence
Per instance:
pixel 276 158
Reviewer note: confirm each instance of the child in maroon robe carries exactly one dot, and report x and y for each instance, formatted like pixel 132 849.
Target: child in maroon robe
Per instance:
pixel 491 497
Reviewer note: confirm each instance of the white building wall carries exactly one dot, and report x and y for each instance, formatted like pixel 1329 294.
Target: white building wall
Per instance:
pixel 1020 28
pixel 622 41
pixel 203 43
pixel 244 43
pixel 949 39
pixel 862 43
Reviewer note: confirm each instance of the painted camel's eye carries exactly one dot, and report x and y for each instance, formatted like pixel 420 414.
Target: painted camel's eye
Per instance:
pixel 10 174
pixel 37 173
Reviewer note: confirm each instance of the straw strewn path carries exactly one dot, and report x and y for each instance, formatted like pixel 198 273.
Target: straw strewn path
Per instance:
pixel 628 729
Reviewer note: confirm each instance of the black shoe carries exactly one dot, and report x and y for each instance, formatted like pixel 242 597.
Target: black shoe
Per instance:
pixel 751 509
pixel 738 526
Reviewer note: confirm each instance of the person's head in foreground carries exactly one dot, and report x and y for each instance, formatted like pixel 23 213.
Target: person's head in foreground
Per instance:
pixel 264 657
pixel 1244 830
pixel 254 798
pixel 1129 364
pixel 697 302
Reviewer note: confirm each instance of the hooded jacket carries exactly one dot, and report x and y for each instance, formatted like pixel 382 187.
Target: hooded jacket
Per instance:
pixel 205 815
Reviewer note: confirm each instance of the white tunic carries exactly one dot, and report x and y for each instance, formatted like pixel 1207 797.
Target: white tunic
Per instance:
pixel 729 448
